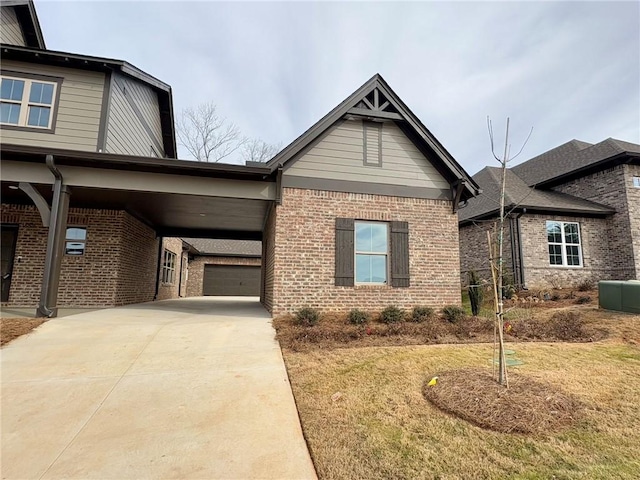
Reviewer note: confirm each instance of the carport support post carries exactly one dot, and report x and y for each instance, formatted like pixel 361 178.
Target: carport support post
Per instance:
pixel 48 305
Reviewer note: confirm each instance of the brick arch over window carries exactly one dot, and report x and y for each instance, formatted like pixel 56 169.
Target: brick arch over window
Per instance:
pixel 345 253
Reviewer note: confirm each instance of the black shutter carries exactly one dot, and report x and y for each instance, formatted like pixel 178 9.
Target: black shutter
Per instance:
pixel 344 252
pixel 399 254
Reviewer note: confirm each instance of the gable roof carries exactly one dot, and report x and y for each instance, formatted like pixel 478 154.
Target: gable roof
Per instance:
pixel 29 23
pixel 387 105
pixel 520 195
pixel 573 159
pixel 99 64
pixel 225 248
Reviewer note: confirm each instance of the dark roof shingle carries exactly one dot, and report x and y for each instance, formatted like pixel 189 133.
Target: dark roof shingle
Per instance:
pixel 236 248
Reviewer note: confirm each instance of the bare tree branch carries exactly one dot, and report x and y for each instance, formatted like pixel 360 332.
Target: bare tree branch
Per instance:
pixel 256 150
pixel 207 136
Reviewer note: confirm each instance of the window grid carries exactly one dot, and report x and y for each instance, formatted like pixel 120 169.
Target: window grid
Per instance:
pixel 27 102
pixel 372 254
pixel 564 244
pixel 168 274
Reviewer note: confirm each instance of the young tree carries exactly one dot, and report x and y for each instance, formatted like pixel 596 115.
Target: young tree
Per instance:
pixel 496 250
pixel 207 136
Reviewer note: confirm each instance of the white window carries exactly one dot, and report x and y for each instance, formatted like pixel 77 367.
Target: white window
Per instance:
pixel 75 241
pixel 27 102
pixel 564 244
pixel 372 252
pixel 168 273
pixel 636 182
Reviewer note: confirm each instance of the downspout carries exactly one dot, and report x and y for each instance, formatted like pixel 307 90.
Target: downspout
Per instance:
pixel 516 273
pixel 48 304
pixel 520 256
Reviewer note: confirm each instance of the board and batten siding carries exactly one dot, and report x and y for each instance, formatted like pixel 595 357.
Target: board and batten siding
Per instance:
pixel 134 126
pixel 340 156
pixel 10 31
pixel 78 119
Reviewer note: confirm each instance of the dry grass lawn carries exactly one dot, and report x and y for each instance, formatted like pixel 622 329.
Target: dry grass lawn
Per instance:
pixel 364 415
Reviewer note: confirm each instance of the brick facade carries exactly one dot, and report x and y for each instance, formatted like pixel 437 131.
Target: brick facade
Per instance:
pixel 195 274
pixel 610 246
pixel 117 268
pixel 614 187
pixel 172 290
pixel 302 243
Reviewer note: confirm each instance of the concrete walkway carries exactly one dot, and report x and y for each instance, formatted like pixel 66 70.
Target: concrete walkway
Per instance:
pixel 185 389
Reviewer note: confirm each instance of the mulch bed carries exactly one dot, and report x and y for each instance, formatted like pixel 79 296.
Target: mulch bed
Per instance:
pixel 12 328
pixel 334 331
pixel 527 406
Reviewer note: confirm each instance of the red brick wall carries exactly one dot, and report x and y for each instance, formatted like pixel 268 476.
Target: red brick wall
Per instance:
pixel 196 270
pixel 138 262
pixel 304 251
pixel 118 266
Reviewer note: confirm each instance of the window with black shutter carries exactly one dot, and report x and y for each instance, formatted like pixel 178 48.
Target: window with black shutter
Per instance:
pixel 371 253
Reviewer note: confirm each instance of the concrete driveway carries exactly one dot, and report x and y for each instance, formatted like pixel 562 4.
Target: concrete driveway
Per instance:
pixel 189 388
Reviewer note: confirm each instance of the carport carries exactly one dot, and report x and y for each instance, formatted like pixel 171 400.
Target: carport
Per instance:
pixel 175 198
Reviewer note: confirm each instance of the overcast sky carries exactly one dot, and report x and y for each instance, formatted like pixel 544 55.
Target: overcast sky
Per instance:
pixel 568 69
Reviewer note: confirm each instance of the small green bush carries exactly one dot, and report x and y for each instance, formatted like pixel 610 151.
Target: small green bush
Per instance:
pixel 392 314
pixel 421 313
pixel 357 317
pixel 307 317
pixel 453 313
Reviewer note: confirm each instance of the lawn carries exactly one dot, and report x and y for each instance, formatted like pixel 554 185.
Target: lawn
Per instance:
pixel 364 415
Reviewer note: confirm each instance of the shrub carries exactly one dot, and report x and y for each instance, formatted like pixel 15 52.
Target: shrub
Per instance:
pixel 453 313
pixel 357 317
pixel 391 314
pixel 567 326
pixel 581 300
pixel 586 285
pixel 420 314
pixel 555 297
pixel 475 292
pixel 307 317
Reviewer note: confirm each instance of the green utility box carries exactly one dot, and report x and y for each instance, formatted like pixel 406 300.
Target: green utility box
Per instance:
pixel 619 295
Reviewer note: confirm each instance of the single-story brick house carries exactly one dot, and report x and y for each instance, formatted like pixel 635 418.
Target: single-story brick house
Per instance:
pixel 574 216
pixel 359 211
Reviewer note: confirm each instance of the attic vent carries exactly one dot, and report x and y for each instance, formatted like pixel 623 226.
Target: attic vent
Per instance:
pixel 372 146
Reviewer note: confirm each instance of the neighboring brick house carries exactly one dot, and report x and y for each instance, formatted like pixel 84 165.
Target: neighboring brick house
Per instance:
pixel 223 267
pixel 575 215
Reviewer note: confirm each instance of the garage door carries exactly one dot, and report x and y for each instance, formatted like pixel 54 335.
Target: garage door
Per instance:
pixel 231 280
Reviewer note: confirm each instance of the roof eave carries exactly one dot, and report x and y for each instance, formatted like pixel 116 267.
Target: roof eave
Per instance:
pixel 129 162
pixel 538 211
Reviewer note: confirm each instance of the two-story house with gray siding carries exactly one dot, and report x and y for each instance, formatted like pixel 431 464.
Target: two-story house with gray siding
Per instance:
pixel 63 101
pixel 574 216
pixel 358 212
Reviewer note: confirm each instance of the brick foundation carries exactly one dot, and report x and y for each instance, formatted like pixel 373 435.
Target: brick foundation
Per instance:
pixel 301 241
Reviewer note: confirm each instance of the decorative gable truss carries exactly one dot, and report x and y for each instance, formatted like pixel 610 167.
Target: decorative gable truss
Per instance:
pixel 375 105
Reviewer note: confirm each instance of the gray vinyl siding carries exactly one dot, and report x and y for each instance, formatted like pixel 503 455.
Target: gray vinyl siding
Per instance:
pixel 134 119
pixel 339 156
pixel 10 31
pixel 78 117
